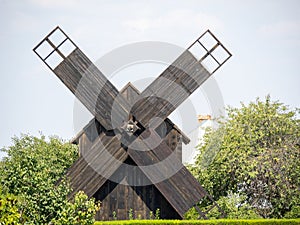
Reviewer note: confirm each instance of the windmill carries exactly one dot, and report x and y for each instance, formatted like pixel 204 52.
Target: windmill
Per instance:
pixel 130 153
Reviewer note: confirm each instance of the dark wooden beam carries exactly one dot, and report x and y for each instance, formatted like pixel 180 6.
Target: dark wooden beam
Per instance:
pixel 181 189
pixel 170 89
pixel 96 164
pixel 93 89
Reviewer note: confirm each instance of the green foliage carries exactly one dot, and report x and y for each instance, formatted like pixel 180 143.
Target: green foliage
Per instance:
pixel 151 215
pixel 207 222
pixel 9 213
pixel 114 215
pixel 81 211
pixel 233 205
pixel 255 152
pixel 294 213
pixel 157 214
pixel 31 170
pixel 130 214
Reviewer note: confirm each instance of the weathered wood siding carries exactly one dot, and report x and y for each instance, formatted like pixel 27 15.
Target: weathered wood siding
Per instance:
pixel 181 190
pixel 114 196
pixel 172 135
pixel 84 173
pixel 120 198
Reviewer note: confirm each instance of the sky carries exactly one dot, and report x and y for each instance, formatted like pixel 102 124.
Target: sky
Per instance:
pixel 263 36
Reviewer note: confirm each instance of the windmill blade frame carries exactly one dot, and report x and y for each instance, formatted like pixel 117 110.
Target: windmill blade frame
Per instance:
pixel 85 81
pixel 178 81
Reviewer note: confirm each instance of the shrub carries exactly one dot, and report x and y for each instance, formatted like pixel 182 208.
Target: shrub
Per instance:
pixel 9 213
pixel 82 211
pixel 31 170
pixel 206 222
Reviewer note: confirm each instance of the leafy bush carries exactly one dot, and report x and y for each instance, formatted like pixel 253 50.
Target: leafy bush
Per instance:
pixel 233 205
pixel 9 213
pixel 31 171
pixel 294 213
pixel 82 211
pixel 207 222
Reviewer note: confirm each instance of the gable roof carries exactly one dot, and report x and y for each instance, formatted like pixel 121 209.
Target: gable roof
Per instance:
pixel 131 92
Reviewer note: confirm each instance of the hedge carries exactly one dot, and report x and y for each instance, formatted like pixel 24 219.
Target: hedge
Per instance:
pixel 206 222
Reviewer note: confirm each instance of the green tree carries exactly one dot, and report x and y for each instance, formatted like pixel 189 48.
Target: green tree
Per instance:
pixel 31 171
pixel 255 152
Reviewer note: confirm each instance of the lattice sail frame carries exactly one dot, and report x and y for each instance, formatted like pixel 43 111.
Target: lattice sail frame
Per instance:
pixel 55 47
pixel 203 50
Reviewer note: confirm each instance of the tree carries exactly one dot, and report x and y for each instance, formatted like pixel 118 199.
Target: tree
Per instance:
pixel 31 171
pixel 255 152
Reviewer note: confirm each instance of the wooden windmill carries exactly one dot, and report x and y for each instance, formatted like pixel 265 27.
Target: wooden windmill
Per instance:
pixel 130 153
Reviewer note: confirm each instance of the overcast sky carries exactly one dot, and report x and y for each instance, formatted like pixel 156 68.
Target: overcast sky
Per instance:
pixel 264 37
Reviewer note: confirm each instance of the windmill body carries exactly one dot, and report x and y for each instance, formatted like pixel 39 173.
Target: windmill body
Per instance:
pixel 121 197
pixel 130 153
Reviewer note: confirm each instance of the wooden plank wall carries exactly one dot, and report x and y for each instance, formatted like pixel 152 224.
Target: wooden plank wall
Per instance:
pixel 93 167
pixel 120 198
pixel 181 190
